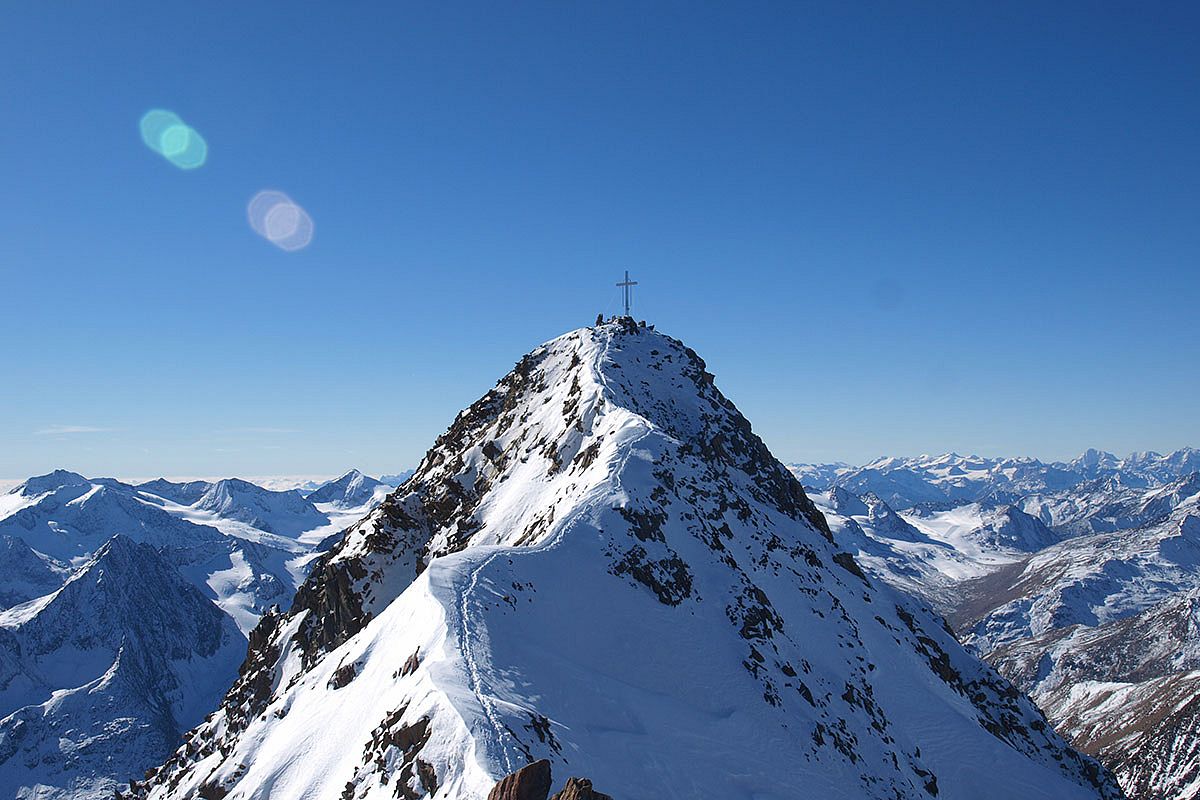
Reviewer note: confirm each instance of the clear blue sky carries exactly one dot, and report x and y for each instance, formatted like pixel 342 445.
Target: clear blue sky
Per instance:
pixel 890 228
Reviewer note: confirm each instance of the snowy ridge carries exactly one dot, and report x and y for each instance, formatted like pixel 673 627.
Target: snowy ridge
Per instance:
pixel 91 688
pixel 352 490
pixel 25 574
pixel 287 513
pixel 105 674
pixel 539 587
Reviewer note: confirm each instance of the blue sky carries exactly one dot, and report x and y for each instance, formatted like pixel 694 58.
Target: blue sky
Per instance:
pixel 889 228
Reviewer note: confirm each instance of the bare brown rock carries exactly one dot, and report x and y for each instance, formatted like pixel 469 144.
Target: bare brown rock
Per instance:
pixel 580 789
pixel 531 782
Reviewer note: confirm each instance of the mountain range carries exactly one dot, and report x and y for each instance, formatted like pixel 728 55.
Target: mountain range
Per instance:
pixel 950 480
pixel 126 609
pixel 1077 580
pixel 600 573
pixel 599 567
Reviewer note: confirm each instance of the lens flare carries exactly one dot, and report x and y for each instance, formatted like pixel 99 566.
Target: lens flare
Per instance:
pixel 166 134
pixel 278 219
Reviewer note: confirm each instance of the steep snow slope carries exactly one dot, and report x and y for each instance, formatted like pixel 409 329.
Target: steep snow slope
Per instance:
pixel 24 574
pixel 1127 691
pixel 1101 629
pixel 1147 731
pixel 600 564
pixel 99 679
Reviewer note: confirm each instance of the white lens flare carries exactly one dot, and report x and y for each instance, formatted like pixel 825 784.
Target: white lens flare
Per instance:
pixel 280 220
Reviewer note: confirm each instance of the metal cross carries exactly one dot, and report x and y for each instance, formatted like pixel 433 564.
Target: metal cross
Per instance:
pixel 626 287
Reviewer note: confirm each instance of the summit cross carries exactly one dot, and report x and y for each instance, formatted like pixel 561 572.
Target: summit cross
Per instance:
pixel 627 286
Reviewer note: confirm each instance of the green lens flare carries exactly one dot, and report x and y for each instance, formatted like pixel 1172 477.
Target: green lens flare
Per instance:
pixel 173 141
pixel 154 124
pixel 166 134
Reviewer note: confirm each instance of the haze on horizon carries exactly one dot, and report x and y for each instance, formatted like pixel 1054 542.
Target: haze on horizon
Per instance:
pixel 889 231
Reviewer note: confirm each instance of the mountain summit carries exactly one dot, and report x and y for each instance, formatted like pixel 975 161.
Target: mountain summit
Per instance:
pixel 352 490
pixel 601 565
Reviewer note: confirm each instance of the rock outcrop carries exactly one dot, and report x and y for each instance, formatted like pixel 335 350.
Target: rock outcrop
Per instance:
pixel 531 782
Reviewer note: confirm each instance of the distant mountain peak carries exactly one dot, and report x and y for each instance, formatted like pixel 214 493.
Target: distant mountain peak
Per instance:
pixel 123 654
pixel 351 490
pixel 286 512
pixel 58 479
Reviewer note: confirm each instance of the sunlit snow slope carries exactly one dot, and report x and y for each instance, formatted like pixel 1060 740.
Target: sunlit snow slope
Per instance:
pixel 600 564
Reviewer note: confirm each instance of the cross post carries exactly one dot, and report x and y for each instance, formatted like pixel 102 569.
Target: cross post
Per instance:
pixel 626 287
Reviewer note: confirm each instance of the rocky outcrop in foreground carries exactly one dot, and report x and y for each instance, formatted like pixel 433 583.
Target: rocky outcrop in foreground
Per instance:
pixel 533 782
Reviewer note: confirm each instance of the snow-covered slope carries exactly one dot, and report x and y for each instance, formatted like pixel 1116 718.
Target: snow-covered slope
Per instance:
pixel 1087 580
pixel 985 530
pixel 1127 691
pixel 67 517
pixel 818 476
pixel 286 513
pixel 185 494
pixel 927 552
pixel 954 480
pixel 1103 631
pixel 122 729
pixel 99 679
pixel 600 564
pixel 25 574
pixel 352 490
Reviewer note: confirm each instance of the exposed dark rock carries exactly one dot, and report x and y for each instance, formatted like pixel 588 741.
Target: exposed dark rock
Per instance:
pixel 580 789
pixel 846 561
pixel 336 609
pixel 669 578
pixel 342 676
pixel 531 782
pixel 410 666
pixel 212 791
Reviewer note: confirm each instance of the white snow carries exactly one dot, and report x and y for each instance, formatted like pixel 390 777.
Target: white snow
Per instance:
pixel 533 643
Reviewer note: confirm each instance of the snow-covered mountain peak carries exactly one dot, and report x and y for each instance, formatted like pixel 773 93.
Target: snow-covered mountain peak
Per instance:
pixel 847 504
pixel 42 484
pixel 286 513
pixel 25 574
pixel 540 588
pixel 352 490
pixel 182 493
pixel 548 421
pixel 107 670
pixel 121 585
